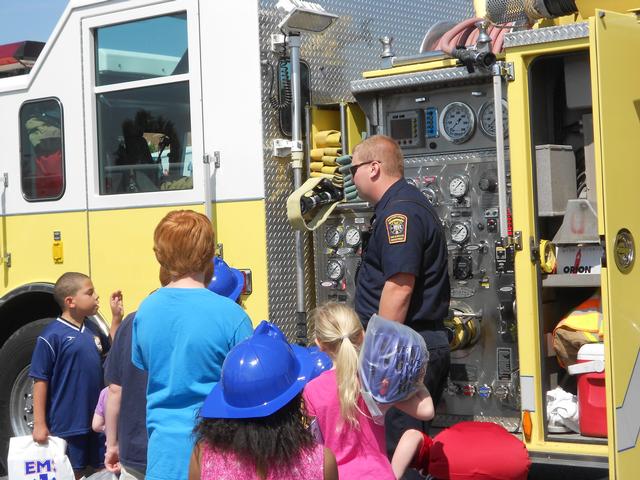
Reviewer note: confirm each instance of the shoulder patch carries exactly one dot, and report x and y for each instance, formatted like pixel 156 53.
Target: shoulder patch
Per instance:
pixel 396 228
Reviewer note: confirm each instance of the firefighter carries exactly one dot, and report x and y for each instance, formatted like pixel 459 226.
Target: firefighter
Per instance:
pixel 403 275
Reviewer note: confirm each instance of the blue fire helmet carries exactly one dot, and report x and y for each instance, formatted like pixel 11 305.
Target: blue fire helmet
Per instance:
pixel 259 376
pixel 226 281
pixel 321 361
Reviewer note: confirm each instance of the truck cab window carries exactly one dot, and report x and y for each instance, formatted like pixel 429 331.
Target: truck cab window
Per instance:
pixel 41 150
pixel 144 139
pixel 144 132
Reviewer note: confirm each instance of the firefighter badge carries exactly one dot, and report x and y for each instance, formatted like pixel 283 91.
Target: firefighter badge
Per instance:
pixel 396 228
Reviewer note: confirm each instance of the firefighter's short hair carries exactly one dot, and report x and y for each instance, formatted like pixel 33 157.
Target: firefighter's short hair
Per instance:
pixel 67 286
pixel 184 242
pixel 385 150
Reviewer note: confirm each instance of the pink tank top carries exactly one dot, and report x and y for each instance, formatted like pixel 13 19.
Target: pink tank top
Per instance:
pixel 216 465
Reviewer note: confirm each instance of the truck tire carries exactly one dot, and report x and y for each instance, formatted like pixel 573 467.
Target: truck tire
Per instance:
pixel 16 403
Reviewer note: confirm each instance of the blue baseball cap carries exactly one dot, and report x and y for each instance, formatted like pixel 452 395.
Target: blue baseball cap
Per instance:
pixel 226 281
pixel 259 376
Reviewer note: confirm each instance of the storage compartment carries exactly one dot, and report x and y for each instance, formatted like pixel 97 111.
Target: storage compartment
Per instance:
pixel 568 245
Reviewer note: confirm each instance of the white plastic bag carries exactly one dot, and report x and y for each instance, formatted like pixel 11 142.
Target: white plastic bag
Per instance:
pixel 103 475
pixel 563 413
pixel 29 460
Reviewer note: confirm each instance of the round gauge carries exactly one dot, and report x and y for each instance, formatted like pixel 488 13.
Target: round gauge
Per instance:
pixel 457 122
pixel 458 186
pixel 459 232
pixel 352 237
pixel 332 237
pixel 487 116
pixel 335 269
pixel 431 195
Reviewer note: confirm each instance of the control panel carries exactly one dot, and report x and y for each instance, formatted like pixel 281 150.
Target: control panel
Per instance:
pixel 447 136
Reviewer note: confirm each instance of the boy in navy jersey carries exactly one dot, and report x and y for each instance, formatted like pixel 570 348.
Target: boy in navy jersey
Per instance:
pixel 67 370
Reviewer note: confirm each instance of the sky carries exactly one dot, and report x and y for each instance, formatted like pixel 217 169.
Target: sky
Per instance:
pixel 29 19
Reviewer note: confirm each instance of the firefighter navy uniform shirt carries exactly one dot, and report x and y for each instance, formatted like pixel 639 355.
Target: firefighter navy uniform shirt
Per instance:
pixel 406 237
pixel 70 360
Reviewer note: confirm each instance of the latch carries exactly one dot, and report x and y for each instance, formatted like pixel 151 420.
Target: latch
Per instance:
pixel 517 240
pixel 505 70
pixel 6 258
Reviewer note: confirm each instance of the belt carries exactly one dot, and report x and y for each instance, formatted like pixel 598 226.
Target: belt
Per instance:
pixel 426 324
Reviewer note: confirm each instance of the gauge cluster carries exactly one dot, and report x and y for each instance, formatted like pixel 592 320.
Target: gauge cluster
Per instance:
pixel 337 249
pixel 446 121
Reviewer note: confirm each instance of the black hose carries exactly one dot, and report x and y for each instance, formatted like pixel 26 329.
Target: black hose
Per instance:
pixel 559 8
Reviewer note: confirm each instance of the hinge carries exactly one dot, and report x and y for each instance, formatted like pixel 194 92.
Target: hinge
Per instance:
pixel 534 250
pixel 603 245
pixel 5 179
pixel 6 258
pixel 216 159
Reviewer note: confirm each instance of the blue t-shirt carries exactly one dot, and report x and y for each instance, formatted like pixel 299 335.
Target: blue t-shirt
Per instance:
pixel 118 370
pixel 69 359
pixel 181 336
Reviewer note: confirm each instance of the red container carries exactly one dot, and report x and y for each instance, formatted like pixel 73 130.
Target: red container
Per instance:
pixel 591 390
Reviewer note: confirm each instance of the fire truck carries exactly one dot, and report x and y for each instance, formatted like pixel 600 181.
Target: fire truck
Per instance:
pixel 516 121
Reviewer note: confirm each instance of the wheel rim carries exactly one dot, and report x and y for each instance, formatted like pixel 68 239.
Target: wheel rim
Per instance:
pixel 21 404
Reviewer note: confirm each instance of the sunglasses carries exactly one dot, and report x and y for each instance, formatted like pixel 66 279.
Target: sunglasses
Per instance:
pixel 354 168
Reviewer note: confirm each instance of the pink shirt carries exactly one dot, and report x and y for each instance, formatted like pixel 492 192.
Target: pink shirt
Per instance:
pixel 360 453
pixel 216 465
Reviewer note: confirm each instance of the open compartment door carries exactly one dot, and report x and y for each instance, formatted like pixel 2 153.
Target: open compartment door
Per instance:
pixel 616 101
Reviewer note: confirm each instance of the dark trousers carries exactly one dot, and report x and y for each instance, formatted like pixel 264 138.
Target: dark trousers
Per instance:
pixel 397 422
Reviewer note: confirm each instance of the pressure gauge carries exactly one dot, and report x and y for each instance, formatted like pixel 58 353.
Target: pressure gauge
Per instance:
pixel 487 116
pixel 431 195
pixel 458 186
pixel 352 237
pixel 459 232
pixel 332 237
pixel 335 269
pixel 457 122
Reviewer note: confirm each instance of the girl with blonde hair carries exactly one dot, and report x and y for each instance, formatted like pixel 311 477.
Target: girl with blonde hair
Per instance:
pixel 334 401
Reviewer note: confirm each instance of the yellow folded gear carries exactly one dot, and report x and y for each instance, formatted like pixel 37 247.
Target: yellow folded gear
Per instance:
pixel 317 153
pixel 332 151
pixel 316 166
pixel 329 161
pixel 316 217
pixel 330 170
pixel 327 138
pixel 321 175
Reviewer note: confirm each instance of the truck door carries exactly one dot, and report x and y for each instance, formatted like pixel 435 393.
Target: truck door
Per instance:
pixel 144 136
pixel 616 102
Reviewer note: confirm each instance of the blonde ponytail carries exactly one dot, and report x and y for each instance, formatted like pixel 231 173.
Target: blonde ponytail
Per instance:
pixel 340 333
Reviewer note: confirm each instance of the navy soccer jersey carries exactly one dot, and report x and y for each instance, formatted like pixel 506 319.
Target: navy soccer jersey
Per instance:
pixel 70 360
pixel 406 237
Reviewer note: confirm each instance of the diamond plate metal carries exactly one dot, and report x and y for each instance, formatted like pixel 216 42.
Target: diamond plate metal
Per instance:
pixel 546 35
pixel 420 79
pixel 339 56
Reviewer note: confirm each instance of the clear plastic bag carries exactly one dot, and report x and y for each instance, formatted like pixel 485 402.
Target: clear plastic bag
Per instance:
pixel 392 365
